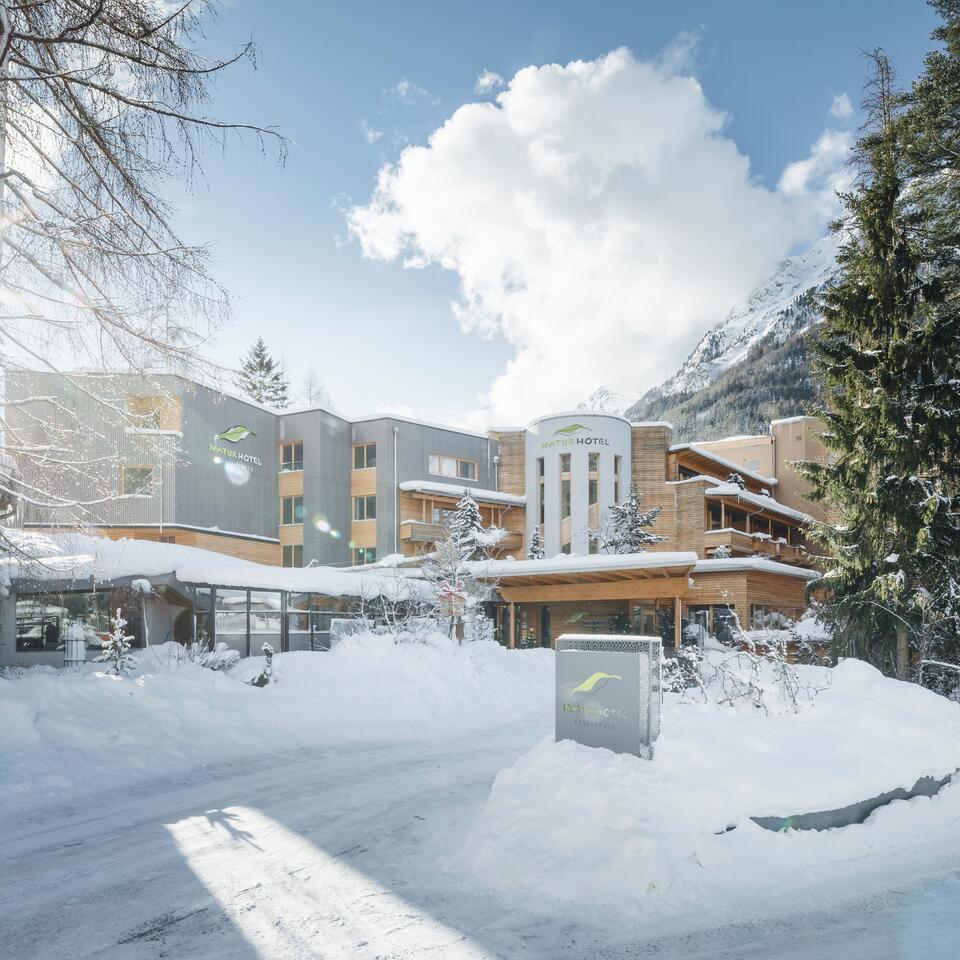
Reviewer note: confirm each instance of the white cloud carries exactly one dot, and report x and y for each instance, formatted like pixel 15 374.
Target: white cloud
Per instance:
pixel 841 108
pixel 408 92
pixel 813 183
pixel 369 134
pixel 487 82
pixel 598 218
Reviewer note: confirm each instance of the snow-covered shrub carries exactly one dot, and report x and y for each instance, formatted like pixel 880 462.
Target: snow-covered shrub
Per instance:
pixel 222 658
pixel 116 648
pixel 266 675
pixel 683 671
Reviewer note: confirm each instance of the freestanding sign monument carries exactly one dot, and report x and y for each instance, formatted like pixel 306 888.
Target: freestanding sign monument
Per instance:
pixel 608 692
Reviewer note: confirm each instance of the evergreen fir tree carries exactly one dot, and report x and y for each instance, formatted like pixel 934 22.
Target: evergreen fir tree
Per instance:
pixel 627 525
pixel 116 648
pixel 465 524
pixel 887 357
pixel 261 377
pixel 536 545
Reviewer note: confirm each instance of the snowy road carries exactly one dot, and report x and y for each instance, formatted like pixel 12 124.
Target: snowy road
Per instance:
pixel 340 854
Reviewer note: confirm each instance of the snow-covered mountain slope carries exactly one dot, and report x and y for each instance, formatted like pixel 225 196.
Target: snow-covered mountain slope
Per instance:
pixel 767 311
pixel 729 383
pixel 603 400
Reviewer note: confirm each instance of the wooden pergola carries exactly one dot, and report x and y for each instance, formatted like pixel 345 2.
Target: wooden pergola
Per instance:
pixel 670 580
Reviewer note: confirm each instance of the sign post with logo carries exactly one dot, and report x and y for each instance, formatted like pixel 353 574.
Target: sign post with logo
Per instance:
pixel 608 692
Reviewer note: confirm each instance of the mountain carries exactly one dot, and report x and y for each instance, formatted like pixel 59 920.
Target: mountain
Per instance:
pixel 752 367
pixel 603 400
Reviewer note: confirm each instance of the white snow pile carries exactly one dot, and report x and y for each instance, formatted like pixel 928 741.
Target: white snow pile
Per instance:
pixel 621 842
pixel 69 735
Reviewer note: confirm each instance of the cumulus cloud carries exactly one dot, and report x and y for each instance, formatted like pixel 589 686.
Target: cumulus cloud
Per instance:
pixel 487 82
pixel 841 108
pixel 598 218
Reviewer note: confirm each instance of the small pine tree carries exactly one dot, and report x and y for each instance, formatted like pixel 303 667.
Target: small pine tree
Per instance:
pixel 627 525
pixel 536 545
pixel 261 377
pixel 117 646
pixel 464 526
pixel 736 480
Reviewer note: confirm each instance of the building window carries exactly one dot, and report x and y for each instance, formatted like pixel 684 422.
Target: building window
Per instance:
pixel 593 483
pixel 780 531
pixel 564 462
pixel 452 467
pixel 364 555
pixel 443 515
pixel 616 479
pixel 753 465
pixel 365 508
pixel 135 479
pixel 292 510
pixel 685 473
pixel 737 519
pixel 564 499
pixel 292 457
pixel 543 499
pixel 715 516
pixel 364 456
pixel 293 554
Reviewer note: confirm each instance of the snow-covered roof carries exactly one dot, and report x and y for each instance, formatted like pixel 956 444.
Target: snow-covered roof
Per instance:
pixel 456 490
pixel 758 500
pixel 651 423
pixel 724 462
pixel 80 558
pixel 774 423
pixel 756 564
pixel 592 563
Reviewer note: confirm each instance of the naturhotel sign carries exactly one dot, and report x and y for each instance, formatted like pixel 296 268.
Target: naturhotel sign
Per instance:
pixel 608 692
pixel 574 435
pixel 233 436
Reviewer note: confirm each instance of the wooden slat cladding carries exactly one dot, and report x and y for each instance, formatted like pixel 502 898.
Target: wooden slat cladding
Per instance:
pixel 291 533
pixel 363 482
pixel 511 469
pixel 363 533
pixel 648 470
pixel 155 411
pixel 291 483
pixel 255 550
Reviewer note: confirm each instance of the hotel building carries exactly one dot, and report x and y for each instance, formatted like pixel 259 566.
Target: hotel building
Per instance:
pixel 299 487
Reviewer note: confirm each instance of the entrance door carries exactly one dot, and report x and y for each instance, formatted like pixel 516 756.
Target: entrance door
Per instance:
pixel 545 626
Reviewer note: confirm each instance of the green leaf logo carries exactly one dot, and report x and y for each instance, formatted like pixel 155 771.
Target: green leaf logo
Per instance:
pixel 596 681
pixel 570 429
pixel 236 434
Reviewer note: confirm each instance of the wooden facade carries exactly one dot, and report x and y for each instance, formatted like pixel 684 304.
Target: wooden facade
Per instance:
pixel 246 548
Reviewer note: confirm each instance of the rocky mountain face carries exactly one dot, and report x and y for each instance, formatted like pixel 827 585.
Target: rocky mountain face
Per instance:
pixel 750 368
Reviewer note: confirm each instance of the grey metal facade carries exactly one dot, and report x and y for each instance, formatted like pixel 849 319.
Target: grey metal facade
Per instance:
pixel 207 482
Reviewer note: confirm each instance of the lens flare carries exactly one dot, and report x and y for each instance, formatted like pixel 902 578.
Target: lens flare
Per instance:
pixel 237 473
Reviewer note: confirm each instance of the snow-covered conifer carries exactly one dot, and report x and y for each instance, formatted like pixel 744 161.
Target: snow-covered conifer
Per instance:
pixel 736 480
pixel 116 648
pixel 626 528
pixel 261 377
pixel 464 526
pixel 536 545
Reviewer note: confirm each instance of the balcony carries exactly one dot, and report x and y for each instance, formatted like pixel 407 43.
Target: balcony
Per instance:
pixel 752 544
pixel 421 531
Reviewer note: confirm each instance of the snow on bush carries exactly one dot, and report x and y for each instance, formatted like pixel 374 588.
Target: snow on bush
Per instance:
pixel 69 735
pixel 618 840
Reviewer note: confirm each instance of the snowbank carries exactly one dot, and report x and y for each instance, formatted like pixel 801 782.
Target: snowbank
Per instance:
pixel 78 557
pixel 66 736
pixel 621 840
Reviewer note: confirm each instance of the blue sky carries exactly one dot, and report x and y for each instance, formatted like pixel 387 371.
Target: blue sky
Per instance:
pixel 381 336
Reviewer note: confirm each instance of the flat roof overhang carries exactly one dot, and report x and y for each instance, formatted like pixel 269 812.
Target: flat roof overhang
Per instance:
pixel 598 581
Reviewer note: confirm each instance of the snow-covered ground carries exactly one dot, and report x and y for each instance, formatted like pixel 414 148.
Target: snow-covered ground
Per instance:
pixel 70 736
pixel 347 811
